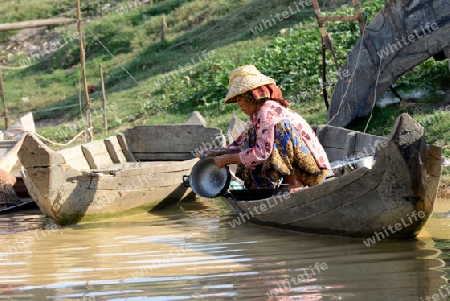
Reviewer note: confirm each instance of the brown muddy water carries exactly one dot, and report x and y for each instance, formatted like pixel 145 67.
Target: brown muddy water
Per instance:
pixel 191 252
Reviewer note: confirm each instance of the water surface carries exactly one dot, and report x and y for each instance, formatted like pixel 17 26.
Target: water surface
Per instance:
pixel 191 252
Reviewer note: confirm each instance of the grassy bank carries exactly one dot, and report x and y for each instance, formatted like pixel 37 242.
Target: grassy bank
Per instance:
pixel 149 81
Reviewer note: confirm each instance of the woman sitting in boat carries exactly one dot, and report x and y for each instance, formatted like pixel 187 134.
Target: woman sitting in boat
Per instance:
pixel 278 145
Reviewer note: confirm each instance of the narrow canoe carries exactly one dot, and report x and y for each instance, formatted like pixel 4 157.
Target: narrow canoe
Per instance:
pixel 391 199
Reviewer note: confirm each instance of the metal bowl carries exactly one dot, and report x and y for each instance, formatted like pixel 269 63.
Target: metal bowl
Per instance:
pixel 207 180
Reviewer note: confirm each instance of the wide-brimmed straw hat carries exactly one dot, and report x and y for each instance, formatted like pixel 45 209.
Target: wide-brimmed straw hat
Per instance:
pixel 243 79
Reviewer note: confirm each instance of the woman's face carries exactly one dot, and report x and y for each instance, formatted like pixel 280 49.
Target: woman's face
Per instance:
pixel 247 107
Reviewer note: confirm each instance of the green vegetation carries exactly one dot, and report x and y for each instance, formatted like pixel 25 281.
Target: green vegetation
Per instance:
pixel 153 81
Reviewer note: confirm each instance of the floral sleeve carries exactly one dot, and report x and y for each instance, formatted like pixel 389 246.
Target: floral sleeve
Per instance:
pixel 264 124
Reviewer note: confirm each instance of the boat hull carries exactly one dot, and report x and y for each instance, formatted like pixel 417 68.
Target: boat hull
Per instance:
pixel 82 196
pixel 394 199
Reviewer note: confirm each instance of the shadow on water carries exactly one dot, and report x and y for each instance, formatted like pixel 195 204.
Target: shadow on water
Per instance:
pixel 191 251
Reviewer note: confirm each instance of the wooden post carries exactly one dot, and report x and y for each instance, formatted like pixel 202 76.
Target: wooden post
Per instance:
pixel 5 108
pixel 105 121
pixel 83 74
pixel 163 28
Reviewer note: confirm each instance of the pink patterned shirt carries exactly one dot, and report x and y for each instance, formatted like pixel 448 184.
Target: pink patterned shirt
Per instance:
pixel 264 122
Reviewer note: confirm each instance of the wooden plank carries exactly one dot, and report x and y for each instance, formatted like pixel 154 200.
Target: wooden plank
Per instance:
pixel 34 153
pixel 368 144
pixel 96 154
pixel 143 181
pixel 114 150
pixel 163 156
pixel 335 154
pixel 334 137
pixel 75 157
pixel 125 149
pixel 335 187
pixel 154 167
pixel 35 23
pixel 172 138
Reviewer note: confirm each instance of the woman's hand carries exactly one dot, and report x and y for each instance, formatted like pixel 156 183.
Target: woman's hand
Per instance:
pixel 214 153
pixel 224 160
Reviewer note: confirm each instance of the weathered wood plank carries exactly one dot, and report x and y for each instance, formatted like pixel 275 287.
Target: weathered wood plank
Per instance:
pixel 30 156
pixel 368 144
pixel 310 194
pixel 123 182
pixel 172 138
pixel 125 149
pixel 96 154
pixel 114 150
pixel 335 154
pixel 35 23
pixel 338 143
pixel 9 157
pixel 74 156
pixel 163 156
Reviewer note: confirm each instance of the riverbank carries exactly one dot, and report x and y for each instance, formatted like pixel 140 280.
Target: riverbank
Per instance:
pixel 154 81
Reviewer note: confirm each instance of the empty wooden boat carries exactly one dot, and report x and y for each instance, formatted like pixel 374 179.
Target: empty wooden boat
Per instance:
pixel 137 170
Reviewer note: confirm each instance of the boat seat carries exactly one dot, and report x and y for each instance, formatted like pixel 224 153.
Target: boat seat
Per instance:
pixel 75 157
pixel 98 154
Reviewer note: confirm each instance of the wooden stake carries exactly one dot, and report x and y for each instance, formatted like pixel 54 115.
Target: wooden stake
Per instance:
pixel 83 74
pixel 105 121
pixel 5 108
pixel 163 28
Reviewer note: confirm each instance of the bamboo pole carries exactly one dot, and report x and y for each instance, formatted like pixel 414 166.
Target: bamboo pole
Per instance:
pixel 105 121
pixel 35 23
pixel 5 108
pixel 83 74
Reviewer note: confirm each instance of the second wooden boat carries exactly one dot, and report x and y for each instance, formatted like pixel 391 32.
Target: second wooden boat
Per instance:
pixel 137 170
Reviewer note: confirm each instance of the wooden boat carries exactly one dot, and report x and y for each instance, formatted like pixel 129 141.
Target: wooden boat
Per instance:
pixel 391 199
pixel 139 169
pixel 9 147
pixel 8 153
pixel 402 35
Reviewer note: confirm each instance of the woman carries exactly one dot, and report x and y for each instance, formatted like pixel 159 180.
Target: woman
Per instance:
pixel 278 145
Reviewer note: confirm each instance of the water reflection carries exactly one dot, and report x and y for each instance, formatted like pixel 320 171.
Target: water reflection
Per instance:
pixel 191 253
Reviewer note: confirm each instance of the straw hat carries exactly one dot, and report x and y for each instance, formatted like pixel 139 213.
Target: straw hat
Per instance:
pixel 245 78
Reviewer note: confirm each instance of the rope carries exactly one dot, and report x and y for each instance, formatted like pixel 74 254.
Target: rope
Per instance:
pixel 112 55
pixel 63 144
pixel 351 77
pixel 374 97
pixel 43 110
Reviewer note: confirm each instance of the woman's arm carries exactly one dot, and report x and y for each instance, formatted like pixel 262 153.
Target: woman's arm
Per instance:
pixel 219 152
pixel 224 160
